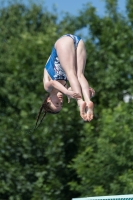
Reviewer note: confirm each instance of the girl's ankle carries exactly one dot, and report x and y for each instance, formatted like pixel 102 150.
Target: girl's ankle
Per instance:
pixel 79 102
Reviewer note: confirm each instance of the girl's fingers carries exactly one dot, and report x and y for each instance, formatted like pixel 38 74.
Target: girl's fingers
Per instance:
pixel 92 92
pixel 76 95
pixel 68 100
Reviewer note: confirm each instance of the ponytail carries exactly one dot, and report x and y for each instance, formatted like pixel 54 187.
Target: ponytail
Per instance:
pixel 45 108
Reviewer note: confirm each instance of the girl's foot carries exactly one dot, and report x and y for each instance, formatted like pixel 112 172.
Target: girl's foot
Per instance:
pixel 89 110
pixel 82 107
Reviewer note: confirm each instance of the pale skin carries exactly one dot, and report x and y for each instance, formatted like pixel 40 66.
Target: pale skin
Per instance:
pixel 73 62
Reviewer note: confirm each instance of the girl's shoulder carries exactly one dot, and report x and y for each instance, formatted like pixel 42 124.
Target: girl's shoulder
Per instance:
pixel 46 76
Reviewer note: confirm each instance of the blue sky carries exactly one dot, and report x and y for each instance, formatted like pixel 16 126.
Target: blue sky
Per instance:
pixel 73 6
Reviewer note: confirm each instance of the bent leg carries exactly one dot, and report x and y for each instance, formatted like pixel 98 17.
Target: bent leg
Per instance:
pixel 81 61
pixel 67 56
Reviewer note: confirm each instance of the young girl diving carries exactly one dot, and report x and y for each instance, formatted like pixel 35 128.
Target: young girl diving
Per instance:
pixel 66 65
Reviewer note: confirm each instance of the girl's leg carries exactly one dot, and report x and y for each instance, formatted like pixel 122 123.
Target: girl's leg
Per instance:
pixel 67 56
pixel 81 61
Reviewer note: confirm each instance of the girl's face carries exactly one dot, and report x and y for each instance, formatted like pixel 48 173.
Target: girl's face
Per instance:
pixel 56 101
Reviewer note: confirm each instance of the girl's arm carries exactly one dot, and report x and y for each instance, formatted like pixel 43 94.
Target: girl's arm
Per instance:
pixel 50 84
pixel 91 90
pixel 55 84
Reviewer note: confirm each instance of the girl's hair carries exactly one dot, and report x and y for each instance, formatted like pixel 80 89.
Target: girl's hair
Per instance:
pixel 45 108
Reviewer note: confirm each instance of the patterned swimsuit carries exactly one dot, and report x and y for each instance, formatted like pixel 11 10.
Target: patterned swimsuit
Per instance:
pixel 53 65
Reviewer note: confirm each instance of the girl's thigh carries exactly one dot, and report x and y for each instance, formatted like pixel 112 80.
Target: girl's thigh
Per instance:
pixel 67 54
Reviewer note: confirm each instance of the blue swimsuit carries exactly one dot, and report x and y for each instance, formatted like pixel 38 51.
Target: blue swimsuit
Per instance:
pixel 53 65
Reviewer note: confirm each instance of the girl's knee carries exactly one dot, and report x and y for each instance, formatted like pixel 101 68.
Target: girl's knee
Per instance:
pixel 71 73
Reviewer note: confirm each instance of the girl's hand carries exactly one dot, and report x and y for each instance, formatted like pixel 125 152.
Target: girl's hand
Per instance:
pixel 69 89
pixel 92 92
pixel 73 95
